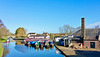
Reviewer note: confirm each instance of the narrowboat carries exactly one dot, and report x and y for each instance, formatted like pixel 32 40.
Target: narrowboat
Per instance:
pixel 28 43
pixel 41 43
pixel 37 44
pixel 51 43
pixel 46 43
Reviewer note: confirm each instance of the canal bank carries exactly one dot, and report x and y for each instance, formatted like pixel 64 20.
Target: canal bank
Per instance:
pixel 68 52
pixel 2 45
pixel 1 49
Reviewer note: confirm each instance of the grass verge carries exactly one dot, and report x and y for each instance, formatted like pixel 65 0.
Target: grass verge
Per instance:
pixel 3 40
pixel 1 49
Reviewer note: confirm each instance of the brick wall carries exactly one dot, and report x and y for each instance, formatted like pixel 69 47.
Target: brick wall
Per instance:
pixel 87 44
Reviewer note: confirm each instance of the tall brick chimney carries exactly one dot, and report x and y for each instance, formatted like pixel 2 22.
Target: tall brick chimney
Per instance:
pixel 83 32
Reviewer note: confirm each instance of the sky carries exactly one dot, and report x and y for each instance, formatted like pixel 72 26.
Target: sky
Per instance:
pixel 48 15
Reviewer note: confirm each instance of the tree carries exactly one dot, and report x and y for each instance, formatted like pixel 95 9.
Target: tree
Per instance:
pixel 20 32
pixel 1 24
pixel 60 29
pixel 67 29
pixel 51 35
pixel 0 37
pixel 71 30
pixel 4 32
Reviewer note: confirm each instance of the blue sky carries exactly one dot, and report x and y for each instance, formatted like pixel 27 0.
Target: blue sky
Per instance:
pixel 47 15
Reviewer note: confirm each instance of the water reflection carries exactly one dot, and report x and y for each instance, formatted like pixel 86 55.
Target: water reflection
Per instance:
pixel 41 48
pixel 19 46
pixel 19 42
pixel 19 50
pixel 51 47
pixel 5 52
pixel 36 48
pixel 47 48
pixel 57 52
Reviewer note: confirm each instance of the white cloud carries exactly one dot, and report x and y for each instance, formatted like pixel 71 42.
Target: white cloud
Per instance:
pixel 93 25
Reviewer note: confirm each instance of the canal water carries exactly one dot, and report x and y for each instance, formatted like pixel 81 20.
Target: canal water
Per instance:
pixel 13 50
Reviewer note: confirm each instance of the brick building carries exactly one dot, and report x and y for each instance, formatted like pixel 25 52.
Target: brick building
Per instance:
pixel 89 37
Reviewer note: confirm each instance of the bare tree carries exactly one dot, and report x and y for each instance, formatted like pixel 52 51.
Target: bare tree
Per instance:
pixel 67 29
pixel 4 32
pixel 71 30
pixel 60 29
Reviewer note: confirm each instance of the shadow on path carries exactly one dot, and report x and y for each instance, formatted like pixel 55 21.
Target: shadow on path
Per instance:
pixel 86 53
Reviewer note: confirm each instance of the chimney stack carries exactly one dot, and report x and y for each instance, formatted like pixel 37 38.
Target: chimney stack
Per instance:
pixel 83 32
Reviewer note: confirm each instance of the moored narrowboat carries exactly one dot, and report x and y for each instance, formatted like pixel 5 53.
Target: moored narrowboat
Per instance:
pixel 41 43
pixel 51 43
pixel 28 43
pixel 37 44
pixel 46 43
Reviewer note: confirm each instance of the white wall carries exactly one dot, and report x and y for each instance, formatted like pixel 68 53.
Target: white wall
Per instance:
pixel 57 39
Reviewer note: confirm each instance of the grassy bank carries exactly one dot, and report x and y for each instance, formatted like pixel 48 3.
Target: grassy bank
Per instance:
pixel 1 49
pixel 3 40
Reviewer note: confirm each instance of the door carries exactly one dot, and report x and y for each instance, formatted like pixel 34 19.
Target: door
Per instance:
pixel 66 42
pixel 92 44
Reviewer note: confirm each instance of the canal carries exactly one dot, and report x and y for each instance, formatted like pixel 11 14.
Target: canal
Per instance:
pixel 13 50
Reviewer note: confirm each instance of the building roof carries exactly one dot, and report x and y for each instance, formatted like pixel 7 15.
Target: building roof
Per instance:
pixel 37 36
pixel 31 33
pixel 89 32
pixel 71 37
